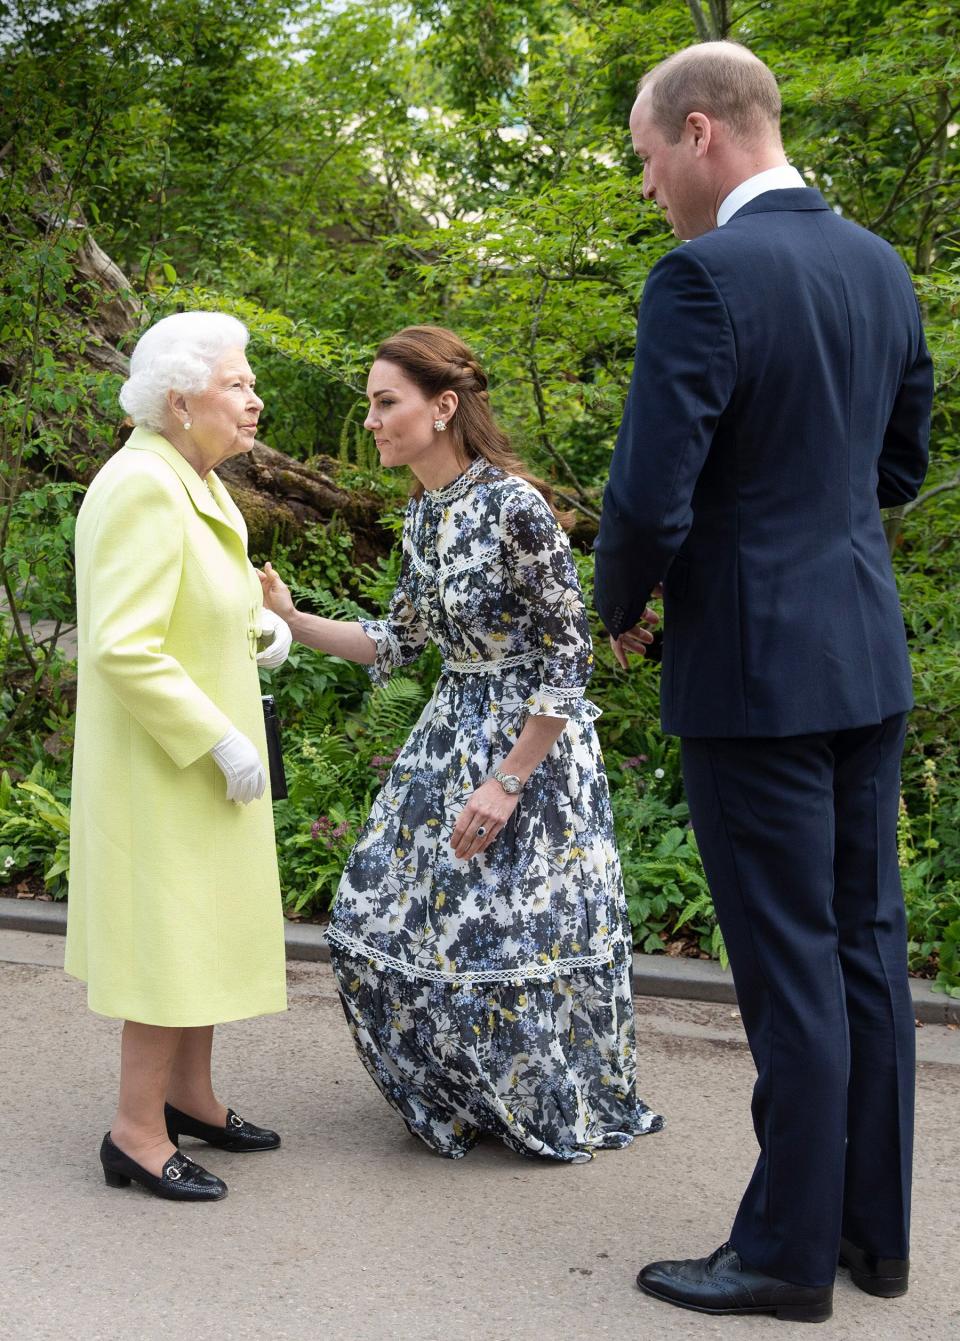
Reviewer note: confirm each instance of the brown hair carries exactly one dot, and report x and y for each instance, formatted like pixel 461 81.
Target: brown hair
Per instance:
pixel 724 80
pixel 437 360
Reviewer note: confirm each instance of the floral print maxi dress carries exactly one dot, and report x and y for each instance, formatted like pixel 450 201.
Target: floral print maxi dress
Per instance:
pixel 493 994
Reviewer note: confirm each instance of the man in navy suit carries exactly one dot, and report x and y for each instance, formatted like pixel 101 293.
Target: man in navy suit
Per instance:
pixel 781 397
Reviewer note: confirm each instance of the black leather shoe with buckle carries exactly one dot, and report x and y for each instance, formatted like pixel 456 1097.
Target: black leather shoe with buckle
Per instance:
pixel 235 1135
pixel 886 1277
pixel 722 1284
pixel 180 1179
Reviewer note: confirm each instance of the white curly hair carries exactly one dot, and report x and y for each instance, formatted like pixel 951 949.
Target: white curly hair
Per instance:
pixel 178 353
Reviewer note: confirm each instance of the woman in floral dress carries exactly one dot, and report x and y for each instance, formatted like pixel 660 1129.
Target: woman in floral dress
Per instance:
pixel 480 936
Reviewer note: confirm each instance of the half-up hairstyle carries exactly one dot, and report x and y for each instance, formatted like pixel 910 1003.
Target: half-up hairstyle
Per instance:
pixel 436 360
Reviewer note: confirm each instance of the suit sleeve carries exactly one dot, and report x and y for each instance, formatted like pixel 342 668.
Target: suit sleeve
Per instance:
pixel 683 378
pixel 903 458
pixel 135 559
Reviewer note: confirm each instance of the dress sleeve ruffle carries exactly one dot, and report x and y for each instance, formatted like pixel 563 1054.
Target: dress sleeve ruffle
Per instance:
pixel 402 635
pixel 560 701
pixel 388 653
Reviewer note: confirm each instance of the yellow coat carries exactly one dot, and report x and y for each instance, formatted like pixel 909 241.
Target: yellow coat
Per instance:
pixel 174 913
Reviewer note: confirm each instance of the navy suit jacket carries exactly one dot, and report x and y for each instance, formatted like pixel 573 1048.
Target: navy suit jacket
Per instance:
pixel 781 396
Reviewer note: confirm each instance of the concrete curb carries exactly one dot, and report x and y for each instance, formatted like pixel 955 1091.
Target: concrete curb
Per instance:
pixel 653 975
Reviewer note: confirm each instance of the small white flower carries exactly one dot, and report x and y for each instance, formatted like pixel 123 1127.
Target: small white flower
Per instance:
pixel 8 863
pixel 658 773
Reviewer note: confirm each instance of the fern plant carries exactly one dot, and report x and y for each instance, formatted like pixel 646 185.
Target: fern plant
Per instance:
pixel 392 709
pixel 356 446
pixel 376 582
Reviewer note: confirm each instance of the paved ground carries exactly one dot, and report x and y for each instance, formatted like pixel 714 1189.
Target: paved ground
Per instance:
pixel 353 1230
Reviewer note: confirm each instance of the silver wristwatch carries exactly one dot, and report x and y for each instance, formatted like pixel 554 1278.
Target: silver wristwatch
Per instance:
pixel 510 783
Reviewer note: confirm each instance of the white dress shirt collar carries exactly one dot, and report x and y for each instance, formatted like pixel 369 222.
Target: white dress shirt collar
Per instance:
pixel 782 178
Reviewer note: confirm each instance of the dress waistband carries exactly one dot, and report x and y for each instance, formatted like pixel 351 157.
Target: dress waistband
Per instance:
pixel 486 667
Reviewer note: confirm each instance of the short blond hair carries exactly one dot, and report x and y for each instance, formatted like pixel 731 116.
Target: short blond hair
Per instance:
pixel 723 80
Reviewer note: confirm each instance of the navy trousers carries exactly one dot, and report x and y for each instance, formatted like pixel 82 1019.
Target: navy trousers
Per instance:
pixel 799 842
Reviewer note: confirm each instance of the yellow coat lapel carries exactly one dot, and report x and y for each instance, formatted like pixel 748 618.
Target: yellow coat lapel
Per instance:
pixel 214 503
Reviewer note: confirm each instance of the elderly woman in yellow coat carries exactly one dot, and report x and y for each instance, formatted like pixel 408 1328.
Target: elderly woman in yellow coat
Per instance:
pixel 174 920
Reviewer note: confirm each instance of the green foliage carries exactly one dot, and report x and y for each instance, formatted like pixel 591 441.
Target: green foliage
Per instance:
pixel 330 792
pixel 324 559
pixel 665 884
pixel 336 754
pixel 35 829
pixel 930 815
pixel 50 400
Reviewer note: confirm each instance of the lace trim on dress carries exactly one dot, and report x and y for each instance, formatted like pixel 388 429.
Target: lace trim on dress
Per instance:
pixel 535 971
pixel 447 570
pixel 486 667
pixel 458 487
pixel 422 568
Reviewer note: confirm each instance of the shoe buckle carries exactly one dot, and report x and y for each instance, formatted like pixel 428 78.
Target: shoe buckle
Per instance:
pixel 174 1174
pixel 236 1120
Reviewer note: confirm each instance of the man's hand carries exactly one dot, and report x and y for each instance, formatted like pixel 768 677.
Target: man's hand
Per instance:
pixel 637 639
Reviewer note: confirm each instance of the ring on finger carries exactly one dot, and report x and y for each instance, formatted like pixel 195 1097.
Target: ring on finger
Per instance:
pixel 481 831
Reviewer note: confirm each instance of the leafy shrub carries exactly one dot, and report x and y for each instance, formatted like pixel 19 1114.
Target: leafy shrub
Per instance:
pixel 330 793
pixel 35 829
pixel 929 831
pixel 333 774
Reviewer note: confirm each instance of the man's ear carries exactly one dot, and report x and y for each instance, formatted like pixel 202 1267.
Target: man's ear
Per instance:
pixel 701 132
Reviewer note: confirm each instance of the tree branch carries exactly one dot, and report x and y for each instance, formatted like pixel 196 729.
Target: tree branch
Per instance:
pixel 699 20
pixel 12 610
pixel 761 4
pixel 540 401
pixel 578 503
pixel 916 158
pixel 943 488
pixel 926 238
pixel 720 14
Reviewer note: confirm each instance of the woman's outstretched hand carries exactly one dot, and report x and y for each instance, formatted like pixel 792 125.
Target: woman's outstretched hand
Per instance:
pixel 276 593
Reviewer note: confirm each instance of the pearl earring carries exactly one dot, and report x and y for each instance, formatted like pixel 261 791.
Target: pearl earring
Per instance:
pixel 440 425
pixel 188 424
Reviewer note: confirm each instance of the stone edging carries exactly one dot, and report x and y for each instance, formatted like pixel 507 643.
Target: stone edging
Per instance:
pixel 653 975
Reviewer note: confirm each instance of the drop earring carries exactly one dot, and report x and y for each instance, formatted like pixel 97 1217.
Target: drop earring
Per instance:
pixel 440 425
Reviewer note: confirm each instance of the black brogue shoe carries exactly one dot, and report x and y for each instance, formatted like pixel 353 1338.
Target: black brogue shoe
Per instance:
pixel 722 1284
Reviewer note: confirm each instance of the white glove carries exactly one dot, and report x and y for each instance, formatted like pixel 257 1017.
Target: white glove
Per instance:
pixel 239 762
pixel 277 652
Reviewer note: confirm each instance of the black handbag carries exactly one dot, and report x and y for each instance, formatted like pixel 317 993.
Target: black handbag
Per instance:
pixel 271 722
